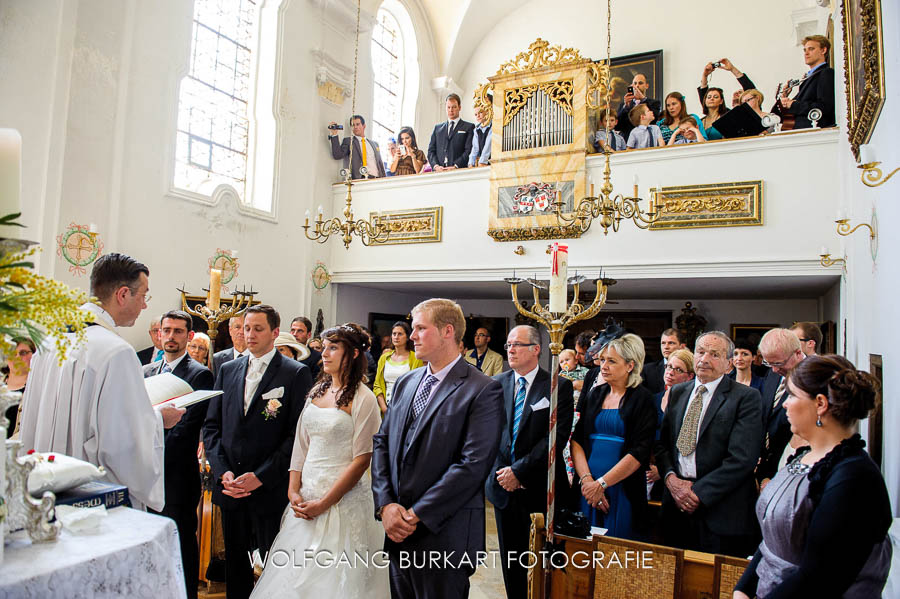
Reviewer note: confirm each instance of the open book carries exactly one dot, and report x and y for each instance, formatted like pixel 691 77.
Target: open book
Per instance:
pixel 168 388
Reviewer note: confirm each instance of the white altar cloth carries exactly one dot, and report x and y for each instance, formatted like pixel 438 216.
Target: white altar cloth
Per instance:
pixel 132 554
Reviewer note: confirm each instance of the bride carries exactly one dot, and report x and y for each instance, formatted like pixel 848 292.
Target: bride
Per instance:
pixel 330 543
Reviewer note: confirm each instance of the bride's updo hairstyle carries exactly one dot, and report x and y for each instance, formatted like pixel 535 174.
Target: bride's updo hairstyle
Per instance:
pixel 850 392
pixel 351 337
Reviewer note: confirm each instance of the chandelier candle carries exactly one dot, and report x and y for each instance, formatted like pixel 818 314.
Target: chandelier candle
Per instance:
pixel 215 289
pixel 559 274
pixel 10 172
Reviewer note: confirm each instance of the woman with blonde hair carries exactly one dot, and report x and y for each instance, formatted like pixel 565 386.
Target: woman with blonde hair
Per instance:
pixel 613 438
pixel 679 369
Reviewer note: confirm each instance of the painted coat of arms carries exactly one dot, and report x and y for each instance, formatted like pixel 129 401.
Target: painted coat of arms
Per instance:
pixel 534 198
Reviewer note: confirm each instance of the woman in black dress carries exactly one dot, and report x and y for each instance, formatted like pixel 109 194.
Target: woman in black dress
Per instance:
pixel 825 516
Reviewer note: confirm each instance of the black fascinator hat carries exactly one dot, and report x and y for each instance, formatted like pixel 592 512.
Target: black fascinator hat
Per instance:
pixel 612 332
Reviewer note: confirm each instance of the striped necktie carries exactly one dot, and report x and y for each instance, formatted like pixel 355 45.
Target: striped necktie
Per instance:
pixel 421 399
pixel 517 412
pixel 687 438
pixel 779 393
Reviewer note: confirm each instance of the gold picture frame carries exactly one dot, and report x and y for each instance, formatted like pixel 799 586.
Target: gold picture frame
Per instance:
pixel 863 67
pixel 417 225
pixel 738 204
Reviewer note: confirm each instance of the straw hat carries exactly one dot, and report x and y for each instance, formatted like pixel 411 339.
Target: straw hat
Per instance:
pixel 287 340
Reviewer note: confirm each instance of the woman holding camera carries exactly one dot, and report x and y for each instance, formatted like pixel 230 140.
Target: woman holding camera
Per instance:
pixel 825 516
pixel 408 158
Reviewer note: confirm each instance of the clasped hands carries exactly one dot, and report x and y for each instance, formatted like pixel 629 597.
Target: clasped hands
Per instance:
pixel 241 486
pixel 507 479
pixel 398 521
pixel 305 509
pixel 683 493
pixel 594 494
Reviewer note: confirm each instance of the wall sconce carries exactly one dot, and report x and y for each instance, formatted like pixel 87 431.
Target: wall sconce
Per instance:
pixel 827 260
pixel 872 176
pixel 843 228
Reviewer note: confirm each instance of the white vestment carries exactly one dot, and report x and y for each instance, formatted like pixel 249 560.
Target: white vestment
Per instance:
pixel 95 408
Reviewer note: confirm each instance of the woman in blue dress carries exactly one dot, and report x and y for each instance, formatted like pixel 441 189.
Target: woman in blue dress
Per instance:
pixel 612 441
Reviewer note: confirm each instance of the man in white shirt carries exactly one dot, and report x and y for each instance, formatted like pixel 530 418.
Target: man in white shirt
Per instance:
pixel 481 141
pixel 370 159
pixel 94 405
pixel 451 141
pixel 710 443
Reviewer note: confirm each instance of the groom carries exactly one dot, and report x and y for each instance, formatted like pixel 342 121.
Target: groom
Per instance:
pixel 430 459
pixel 249 435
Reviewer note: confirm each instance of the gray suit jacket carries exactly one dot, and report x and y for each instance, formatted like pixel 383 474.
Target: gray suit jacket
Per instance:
pixel 727 451
pixel 439 466
pixel 342 151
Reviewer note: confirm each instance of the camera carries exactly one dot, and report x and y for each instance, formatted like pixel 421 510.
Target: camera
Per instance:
pixel 336 127
pixel 631 89
pixel 716 65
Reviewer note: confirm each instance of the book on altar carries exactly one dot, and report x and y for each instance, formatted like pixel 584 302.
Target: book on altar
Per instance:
pixel 168 388
pixel 95 493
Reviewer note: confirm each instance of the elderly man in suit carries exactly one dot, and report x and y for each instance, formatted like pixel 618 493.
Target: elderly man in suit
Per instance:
pixel 781 351
pixel 482 357
pixel 817 87
pixel 249 435
pixel 370 159
pixel 239 346
pixel 430 459
pixel 154 353
pixel 653 372
pixel 451 141
pixel 709 445
pixel 518 485
pixel 182 472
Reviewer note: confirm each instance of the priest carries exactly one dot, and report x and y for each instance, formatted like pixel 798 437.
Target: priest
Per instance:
pixel 94 406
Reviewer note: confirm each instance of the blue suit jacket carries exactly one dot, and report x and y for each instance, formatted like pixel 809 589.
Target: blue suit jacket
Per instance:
pixel 251 443
pixel 439 468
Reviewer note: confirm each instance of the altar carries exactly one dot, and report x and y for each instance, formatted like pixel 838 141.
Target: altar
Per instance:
pixel 132 554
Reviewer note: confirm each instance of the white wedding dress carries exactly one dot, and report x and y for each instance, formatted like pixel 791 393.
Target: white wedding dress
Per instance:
pixel 338 553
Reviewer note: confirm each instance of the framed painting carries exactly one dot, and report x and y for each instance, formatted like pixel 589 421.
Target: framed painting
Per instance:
pixel 622 72
pixel 751 332
pixel 863 67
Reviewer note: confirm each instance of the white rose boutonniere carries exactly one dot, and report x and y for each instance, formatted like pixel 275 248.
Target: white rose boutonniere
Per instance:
pixel 272 408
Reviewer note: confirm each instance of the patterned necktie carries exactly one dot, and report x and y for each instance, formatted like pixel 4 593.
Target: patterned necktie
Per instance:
pixel 166 367
pixel 687 438
pixel 517 412
pixel 779 393
pixel 421 399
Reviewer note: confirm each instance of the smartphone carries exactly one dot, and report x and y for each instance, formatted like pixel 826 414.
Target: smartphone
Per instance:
pixel 630 89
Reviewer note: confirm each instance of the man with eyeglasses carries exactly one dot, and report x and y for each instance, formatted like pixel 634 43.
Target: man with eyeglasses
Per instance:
pixel 93 406
pixel 482 357
pixel 781 351
pixel 708 448
pixel 518 485
pixel 653 372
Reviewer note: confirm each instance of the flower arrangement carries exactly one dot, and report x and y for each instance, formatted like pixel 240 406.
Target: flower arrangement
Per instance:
pixel 35 306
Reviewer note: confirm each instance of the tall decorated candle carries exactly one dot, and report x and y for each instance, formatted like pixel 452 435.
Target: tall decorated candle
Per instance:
pixel 10 172
pixel 215 288
pixel 559 268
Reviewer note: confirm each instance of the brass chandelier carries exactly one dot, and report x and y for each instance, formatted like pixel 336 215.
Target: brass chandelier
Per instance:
pixel 369 232
pixel 609 209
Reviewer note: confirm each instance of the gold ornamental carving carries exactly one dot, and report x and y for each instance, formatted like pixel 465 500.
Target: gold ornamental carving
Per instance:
pixel 540 54
pixel 598 82
pixel 863 68
pixel 419 225
pixel 716 205
pixel 332 92
pixel 482 99
pixel 559 92
pixel 534 233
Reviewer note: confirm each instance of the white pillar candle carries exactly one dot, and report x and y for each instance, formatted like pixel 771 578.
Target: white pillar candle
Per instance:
pixel 213 300
pixel 823 251
pixel 866 155
pixel 559 267
pixel 10 174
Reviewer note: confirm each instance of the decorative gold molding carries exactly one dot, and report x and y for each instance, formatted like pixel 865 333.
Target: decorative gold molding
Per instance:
pixel 332 92
pixel 865 91
pixel 419 225
pixel 716 205
pixel 540 54
pixel 598 82
pixel 559 92
pixel 483 101
pixel 535 233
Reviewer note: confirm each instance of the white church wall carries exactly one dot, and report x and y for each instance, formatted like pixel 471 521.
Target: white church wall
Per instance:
pixel 759 39
pixel 870 306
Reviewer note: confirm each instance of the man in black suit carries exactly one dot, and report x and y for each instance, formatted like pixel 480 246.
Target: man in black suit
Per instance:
pixel 518 485
pixel 249 435
pixel 430 459
pixel 301 329
pixel 708 448
pixel 239 346
pixel 653 372
pixel 182 472
pixel 638 95
pixel 451 141
pixel 371 159
pixel 781 351
pixel 817 88
pixel 154 352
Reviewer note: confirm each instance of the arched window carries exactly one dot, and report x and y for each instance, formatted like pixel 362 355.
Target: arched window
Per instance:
pixel 395 64
pixel 213 124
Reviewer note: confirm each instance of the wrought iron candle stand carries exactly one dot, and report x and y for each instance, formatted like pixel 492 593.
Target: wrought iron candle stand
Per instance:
pixel 214 315
pixel 556 324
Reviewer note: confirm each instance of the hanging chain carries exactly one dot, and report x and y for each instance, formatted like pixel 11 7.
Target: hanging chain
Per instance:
pixel 355 70
pixel 608 70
